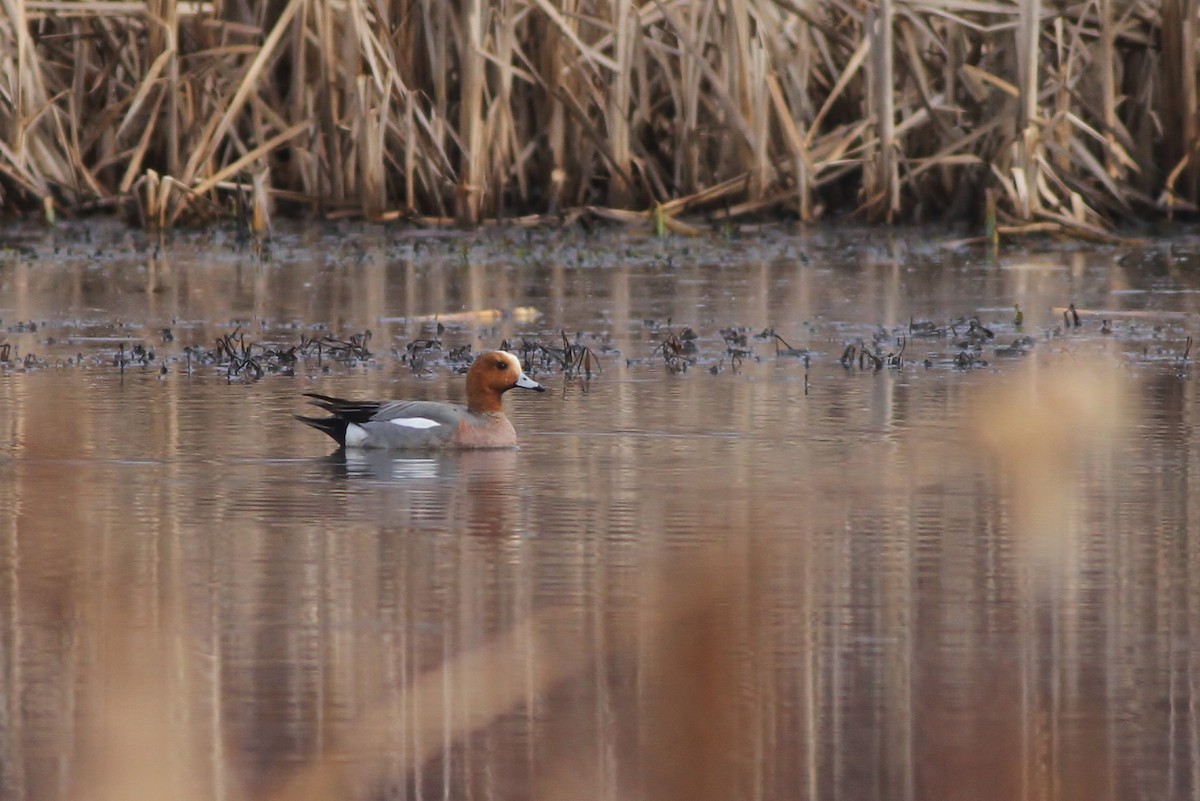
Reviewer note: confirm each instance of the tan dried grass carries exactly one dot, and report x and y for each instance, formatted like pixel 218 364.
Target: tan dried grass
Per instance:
pixel 540 106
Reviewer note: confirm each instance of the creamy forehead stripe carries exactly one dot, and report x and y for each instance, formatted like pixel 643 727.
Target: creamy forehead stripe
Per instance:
pixel 414 422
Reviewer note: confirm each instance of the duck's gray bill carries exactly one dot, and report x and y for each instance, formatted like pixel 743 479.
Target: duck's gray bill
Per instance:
pixel 528 383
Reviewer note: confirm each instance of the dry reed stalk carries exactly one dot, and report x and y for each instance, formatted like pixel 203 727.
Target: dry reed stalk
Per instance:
pixel 736 79
pixel 753 207
pixel 795 142
pixel 83 7
pixel 329 109
pixel 298 170
pixel 410 153
pixel 372 113
pixel 759 110
pixel 1029 137
pixel 555 118
pixel 620 101
pixel 1108 90
pixel 620 215
pixel 882 180
pixel 473 169
pixel 260 203
pixel 1178 76
pixel 721 191
pixel 501 128
pixel 164 15
pixel 686 169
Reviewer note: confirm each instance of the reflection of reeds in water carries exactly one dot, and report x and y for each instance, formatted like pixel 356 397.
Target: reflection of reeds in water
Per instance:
pixel 705 682
pixel 1056 421
pixel 1075 118
pixel 140 737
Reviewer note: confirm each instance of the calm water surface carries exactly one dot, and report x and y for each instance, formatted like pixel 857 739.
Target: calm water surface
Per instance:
pixel 755 578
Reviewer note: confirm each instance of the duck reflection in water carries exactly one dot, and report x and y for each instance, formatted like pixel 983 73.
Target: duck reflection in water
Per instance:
pixel 464 491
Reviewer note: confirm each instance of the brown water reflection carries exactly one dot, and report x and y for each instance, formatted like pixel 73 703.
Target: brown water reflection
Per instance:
pixel 765 582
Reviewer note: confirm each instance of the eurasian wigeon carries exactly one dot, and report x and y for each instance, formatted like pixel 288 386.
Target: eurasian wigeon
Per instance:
pixel 429 425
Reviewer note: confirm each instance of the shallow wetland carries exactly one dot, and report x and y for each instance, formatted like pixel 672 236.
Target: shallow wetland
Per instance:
pixel 805 514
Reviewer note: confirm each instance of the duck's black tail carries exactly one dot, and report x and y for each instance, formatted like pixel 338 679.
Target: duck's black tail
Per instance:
pixel 349 410
pixel 333 426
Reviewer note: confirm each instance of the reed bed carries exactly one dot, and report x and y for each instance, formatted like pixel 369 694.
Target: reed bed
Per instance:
pixel 669 113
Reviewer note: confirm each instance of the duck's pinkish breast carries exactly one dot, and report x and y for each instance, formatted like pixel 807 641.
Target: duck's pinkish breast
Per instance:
pixel 485 431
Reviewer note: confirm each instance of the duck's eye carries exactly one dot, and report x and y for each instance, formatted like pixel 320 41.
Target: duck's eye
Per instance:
pixel 501 365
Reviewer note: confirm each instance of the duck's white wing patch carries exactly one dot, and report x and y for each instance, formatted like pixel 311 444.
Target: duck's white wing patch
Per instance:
pixel 356 435
pixel 414 422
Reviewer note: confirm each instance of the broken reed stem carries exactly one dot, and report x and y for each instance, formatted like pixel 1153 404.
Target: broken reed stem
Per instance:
pixel 1077 119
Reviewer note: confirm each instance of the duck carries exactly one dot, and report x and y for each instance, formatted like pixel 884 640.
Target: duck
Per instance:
pixel 414 425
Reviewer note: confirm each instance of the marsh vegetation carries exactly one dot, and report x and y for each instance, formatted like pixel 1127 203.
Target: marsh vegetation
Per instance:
pixel 1025 115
